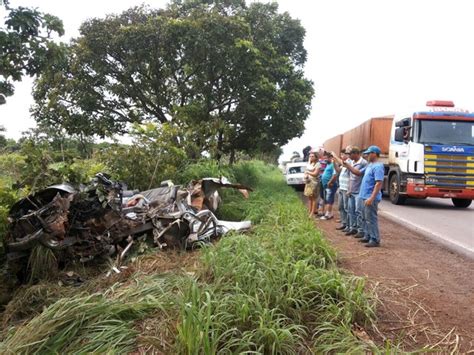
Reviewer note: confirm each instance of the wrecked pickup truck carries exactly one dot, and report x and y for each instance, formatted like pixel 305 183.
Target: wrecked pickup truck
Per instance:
pixel 103 219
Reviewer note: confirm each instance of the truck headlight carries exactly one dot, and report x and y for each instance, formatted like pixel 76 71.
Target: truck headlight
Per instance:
pixel 416 181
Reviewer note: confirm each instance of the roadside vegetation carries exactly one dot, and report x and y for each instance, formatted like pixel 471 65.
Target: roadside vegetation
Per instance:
pixel 275 290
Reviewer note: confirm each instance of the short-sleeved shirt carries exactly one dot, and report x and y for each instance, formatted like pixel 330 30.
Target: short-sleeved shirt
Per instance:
pixel 373 173
pixel 327 175
pixel 354 179
pixel 322 166
pixel 344 177
pixel 312 167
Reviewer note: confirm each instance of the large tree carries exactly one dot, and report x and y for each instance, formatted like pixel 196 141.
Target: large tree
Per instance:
pixel 26 44
pixel 229 76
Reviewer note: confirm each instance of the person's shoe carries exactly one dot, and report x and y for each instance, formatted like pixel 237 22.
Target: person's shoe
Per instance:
pixel 340 228
pixel 372 244
pixel 364 240
pixel 359 235
pixel 325 218
pixel 338 220
pixel 345 230
pixel 351 232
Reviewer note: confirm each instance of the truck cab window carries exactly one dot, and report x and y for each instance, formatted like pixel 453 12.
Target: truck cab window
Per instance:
pixel 446 132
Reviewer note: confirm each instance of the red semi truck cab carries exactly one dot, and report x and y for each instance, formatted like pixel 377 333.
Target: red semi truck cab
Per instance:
pixel 431 154
pixel 427 152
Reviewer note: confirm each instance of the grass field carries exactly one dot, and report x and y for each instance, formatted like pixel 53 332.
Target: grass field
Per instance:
pixel 276 289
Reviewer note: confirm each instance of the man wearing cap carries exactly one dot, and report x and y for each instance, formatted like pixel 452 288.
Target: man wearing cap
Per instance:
pixel 356 167
pixel 370 193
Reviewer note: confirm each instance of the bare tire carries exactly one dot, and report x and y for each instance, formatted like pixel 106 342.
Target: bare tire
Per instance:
pixel 394 191
pixel 461 202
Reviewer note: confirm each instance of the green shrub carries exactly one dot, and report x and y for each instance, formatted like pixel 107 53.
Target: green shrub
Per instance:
pixel 203 169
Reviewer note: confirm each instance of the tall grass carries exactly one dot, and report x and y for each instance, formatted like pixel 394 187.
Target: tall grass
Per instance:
pixel 42 263
pixel 95 323
pixel 275 290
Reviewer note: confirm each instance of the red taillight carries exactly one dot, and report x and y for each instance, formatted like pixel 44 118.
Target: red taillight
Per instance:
pixel 441 103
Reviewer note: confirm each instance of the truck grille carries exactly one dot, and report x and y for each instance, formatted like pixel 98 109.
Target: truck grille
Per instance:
pixel 446 170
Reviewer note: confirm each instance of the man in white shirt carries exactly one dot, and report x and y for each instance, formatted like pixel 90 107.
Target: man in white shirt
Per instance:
pixel 343 198
pixel 356 168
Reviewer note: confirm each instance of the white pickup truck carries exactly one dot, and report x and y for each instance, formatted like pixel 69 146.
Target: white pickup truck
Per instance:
pixel 295 174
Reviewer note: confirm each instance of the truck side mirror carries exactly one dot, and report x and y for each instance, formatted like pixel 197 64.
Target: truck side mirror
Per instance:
pixel 406 122
pixel 400 134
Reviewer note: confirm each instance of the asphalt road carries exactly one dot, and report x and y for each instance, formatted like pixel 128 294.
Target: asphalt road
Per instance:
pixel 437 219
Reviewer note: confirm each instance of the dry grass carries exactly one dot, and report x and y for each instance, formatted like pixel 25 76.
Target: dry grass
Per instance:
pixel 408 323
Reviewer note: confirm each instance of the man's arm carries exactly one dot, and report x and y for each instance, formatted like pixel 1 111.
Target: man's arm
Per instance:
pixel 336 158
pixel 377 188
pixel 333 179
pixel 353 170
pixel 378 175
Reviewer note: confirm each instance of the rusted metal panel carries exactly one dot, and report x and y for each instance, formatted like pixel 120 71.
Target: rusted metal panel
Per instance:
pixel 333 144
pixel 380 133
pixel 375 131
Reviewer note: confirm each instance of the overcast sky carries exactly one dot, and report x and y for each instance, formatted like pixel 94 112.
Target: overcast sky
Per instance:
pixel 366 57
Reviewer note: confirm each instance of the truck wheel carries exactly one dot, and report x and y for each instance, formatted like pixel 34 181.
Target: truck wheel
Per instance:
pixel 461 202
pixel 394 191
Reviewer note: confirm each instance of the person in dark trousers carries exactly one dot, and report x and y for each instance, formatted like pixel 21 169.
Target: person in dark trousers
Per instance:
pixel 356 165
pixel 370 193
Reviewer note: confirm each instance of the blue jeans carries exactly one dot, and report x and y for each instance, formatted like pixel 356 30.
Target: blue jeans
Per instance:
pixel 371 221
pixel 344 207
pixel 355 208
pixel 330 194
pixel 351 211
pixel 361 220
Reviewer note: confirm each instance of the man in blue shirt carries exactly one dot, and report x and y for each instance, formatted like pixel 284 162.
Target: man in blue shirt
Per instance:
pixel 370 193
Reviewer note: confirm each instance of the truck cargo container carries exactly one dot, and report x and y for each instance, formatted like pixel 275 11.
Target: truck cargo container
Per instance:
pixel 375 131
pixel 333 144
pixel 430 152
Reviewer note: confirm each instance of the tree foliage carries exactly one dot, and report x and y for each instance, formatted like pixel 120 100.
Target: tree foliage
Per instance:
pixel 154 155
pixel 228 76
pixel 26 44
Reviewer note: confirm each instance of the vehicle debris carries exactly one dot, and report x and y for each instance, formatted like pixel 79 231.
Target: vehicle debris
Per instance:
pixel 103 219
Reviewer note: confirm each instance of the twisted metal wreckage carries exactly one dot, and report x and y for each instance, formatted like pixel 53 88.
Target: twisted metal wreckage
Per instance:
pixel 102 219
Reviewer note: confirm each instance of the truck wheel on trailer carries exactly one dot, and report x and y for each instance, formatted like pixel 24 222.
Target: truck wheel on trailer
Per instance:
pixel 461 202
pixel 394 191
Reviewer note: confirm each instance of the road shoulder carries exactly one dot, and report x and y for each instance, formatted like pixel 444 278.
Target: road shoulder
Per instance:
pixel 426 291
pixel 449 243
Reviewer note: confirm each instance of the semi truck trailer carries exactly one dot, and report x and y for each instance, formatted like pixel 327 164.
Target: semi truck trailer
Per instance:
pixel 427 152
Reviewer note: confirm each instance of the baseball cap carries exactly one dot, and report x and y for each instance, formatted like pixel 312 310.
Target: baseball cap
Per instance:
pixel 373 149
pixel 355 150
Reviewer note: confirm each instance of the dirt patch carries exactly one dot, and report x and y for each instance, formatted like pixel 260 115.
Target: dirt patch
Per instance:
pixel 426 291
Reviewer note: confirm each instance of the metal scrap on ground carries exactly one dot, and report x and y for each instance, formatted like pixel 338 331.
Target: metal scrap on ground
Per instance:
pixel 101 219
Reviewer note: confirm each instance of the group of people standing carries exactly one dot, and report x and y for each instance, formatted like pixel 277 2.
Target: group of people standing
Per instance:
pixel 356 177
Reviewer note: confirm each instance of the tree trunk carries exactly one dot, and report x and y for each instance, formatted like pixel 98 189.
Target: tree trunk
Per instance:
pixel 220 143
pixel 232 157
